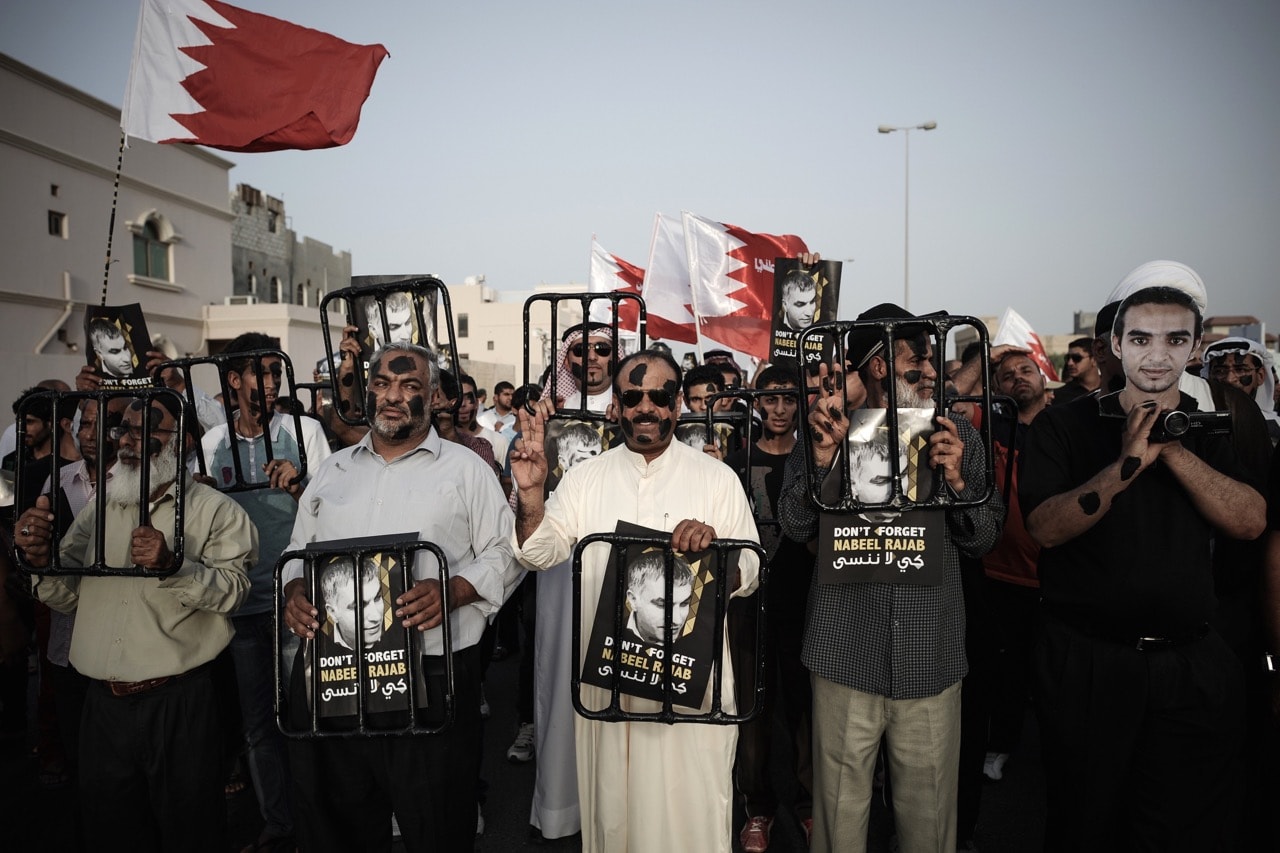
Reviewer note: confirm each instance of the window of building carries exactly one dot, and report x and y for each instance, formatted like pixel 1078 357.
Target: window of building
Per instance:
pixel 57 224
pixel 277 290
pixel 151 251
pixel 301 296
pixel 490 345
pixel 53 190
pixel 273 221
pixel 253 285
pixel 462 325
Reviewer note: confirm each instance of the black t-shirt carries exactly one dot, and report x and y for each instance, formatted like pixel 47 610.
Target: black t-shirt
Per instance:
pixel 1145 567
pixel 790 562
pixel 1273 494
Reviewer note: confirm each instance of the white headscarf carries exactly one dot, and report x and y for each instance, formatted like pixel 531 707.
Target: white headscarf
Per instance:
pixel 1162 274
pixel 1263 394
pixel 567 385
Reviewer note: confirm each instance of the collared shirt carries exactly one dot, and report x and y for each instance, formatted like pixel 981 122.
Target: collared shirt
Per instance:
pixel 896 640
pixel 135 628
pixel 439 490
pixel 272 510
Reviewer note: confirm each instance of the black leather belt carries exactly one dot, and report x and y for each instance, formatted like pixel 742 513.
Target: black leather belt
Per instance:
pixel 1142 643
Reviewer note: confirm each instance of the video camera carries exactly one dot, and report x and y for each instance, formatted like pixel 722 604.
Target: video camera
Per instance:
pixel 1176 424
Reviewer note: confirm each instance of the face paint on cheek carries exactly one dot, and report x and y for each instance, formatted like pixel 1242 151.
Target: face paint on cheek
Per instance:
pixel 664 427
pixel 638 373
pixel 576 368
pixel 255 399
pixel 403 433
pixel 403 364
pixel 155 446
pixel 417 407
pixel 344 406
pixel 1246 380
pixel 911 377
pixel 349 380
pixel 370 402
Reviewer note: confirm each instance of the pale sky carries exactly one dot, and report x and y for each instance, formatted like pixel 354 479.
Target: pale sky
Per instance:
pixel 1074 141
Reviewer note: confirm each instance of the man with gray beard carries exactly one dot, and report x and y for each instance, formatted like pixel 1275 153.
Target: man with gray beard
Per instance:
pixel 150 770
pixel 887 658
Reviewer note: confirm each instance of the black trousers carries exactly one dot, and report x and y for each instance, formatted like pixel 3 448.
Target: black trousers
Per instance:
pixel 345 789
pixel 150 774
pixel 1141 748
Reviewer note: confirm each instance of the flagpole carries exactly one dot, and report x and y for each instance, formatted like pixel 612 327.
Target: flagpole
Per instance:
pixel 690 258
pixel 111 226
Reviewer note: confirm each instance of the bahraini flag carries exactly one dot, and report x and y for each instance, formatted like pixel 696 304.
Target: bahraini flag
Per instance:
pixel 1014 329
pixel 208 73
pixel 731 274
pixel 610 272
pixel 667 297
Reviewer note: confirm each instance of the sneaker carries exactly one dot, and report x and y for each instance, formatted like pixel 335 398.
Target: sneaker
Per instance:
pixel 754 837
pixel 395 826
pixel 521 749
pixel 484 704
pixel 807 823
pixel 993 767
pixel 479 821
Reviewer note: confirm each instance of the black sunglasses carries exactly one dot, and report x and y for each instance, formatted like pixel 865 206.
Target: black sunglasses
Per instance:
pixel 602 349
pixel 660 397
pixel 1073 357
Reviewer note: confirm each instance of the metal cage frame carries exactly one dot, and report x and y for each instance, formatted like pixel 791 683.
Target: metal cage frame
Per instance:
pixel 716 716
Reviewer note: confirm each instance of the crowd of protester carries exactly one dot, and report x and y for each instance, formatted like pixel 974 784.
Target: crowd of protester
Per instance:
pixel 1111 575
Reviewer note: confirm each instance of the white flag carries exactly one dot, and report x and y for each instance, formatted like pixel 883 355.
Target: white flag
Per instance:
pixel 667 295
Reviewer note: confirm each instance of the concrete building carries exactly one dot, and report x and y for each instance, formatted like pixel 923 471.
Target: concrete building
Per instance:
pixel 182 246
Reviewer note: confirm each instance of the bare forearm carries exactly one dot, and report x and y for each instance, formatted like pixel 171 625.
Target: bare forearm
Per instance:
pixel 1271 592
pixel 1063 517
pixel 530 508
pixel 1232 507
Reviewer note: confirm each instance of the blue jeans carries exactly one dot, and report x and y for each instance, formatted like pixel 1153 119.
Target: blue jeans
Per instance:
pixel 252 652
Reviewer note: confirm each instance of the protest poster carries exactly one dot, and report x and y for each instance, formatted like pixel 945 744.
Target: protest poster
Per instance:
pixel 802 296
pixel 118 343
pixel 880 544
pixel 636 658
pixel 402 316
pixel 568 441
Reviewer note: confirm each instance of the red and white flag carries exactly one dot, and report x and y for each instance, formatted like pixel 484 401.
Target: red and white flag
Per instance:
pixel 610 272
pixel 1014 329
pixel 208 73
pixel 667 297
pixel 731 273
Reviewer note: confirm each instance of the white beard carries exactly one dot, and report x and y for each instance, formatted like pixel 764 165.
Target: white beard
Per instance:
pixel 125 484
pixel 909 398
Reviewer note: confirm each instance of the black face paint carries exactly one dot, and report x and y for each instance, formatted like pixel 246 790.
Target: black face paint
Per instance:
pixel 1246 380
pixel 1129 467
pixel 402 433
pixel 348 380
pixel 578 370
pixel 911 377
pixel 416 407
pixel 255 401
pixel 403 364
pixel 155 446
pixel 664 427
pixel 344 406
pixel 1090 503
pixel 370 402
pixel 672 388
pixel 638 372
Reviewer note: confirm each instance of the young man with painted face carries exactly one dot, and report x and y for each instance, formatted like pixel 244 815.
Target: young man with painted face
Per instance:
pixel 401 477
pixel 273 510
pixel 468 423
pixel 642 786
pixel 149 757
pixel 887 659
pixel 1140 700
pixel 791 570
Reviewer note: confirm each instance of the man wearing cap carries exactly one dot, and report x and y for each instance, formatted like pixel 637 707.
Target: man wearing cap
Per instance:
pixel 887 658
pixel 1245 364
pixel 1140 700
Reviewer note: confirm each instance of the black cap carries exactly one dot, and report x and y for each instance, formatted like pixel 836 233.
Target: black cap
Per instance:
pixel 866 341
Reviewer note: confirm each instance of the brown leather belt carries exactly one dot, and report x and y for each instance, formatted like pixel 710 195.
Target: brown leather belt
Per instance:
pixel 132 688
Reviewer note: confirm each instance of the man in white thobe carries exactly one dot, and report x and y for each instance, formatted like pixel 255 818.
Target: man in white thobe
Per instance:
pixel 641 786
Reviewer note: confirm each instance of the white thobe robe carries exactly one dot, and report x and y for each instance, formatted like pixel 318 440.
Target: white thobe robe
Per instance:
pixel 647 786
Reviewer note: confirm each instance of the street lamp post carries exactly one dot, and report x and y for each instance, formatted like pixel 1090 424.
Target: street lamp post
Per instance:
pixel 906 204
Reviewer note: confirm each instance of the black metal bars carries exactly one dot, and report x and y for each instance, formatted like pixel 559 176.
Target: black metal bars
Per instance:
pixel 396 668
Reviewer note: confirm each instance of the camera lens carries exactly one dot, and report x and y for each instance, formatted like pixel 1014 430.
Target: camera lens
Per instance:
pixel 1176 423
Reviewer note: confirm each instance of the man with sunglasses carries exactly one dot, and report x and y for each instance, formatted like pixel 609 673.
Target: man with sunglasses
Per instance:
pixel 150 768
pixel 1079 372
pixel 1247 365
pixel 642 786
pixel 586 366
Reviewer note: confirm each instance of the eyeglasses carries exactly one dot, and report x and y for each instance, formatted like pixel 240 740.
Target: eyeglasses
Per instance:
pixel 602 349
pixel 660 397
pixel 134 431
pixel 1075 357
